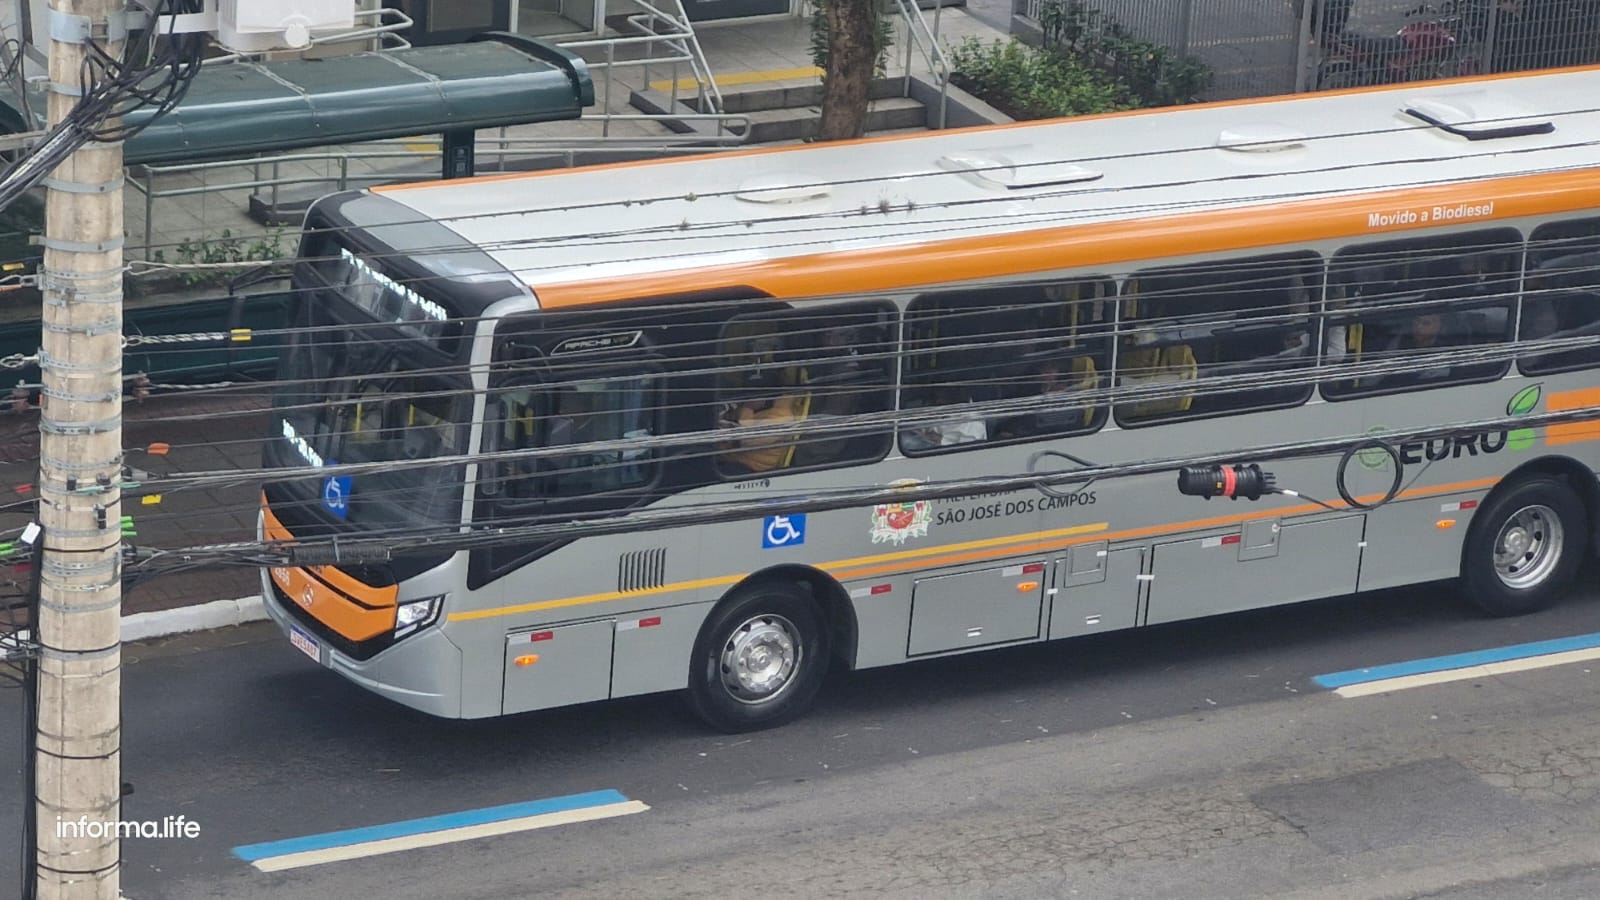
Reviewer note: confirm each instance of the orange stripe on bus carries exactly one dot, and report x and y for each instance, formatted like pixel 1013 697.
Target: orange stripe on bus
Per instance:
pixel 1153 237
pixel 971 551
pixel 1151 530
pixel 1572 432
pixel 353 610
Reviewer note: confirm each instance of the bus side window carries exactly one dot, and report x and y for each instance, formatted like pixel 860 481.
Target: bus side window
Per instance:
pixel 1040 346
pixel 798 368
pixel 1561 299
pixel 1237 318
pixel 1401 302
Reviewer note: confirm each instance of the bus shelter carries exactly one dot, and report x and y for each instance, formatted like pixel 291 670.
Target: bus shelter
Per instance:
pixel 245 108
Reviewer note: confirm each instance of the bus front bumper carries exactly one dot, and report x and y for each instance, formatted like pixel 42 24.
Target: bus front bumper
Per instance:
pixel 422 671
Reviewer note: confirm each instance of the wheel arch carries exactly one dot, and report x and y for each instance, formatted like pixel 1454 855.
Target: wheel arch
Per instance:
pixel 833 601
pixel 1570 470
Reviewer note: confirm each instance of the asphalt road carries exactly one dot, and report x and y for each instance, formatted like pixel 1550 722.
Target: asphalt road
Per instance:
pixel 1196 760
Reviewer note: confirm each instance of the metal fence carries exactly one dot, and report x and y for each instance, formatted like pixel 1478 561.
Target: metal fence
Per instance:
pixel 1263 47
pixel 1362 42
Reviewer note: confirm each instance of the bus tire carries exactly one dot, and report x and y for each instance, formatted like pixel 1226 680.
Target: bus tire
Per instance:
pixel 1524 547
pixel 759 660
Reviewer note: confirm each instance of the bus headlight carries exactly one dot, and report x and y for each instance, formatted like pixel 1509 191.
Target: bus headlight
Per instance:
pixel 414 614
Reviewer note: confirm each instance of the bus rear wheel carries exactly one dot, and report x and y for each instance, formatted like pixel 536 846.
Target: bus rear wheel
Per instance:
pixel 759 660
pixel 1525 547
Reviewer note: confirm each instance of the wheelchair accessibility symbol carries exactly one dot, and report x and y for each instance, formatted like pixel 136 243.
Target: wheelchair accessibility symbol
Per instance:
pixel 336 494
pixel 783 531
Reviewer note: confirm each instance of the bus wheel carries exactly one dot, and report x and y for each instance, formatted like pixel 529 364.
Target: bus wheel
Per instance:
pixel 759 660
pixel 1525 547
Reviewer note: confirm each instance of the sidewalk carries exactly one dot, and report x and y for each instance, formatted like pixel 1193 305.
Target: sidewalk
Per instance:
pixel 214 433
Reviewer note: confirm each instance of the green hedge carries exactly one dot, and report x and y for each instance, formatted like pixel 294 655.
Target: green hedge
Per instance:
pixel 1088 63
pixel 1026 83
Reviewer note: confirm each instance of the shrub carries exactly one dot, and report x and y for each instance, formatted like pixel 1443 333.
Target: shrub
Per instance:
pixel 1152 74
pixel 228 248
pixel 1088 64
pixel 1026 83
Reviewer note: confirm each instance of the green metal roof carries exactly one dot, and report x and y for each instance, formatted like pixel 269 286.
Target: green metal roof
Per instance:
pixel 238 109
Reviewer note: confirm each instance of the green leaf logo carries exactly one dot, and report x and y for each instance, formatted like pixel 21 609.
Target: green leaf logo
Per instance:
pixel 1372 457
pixel 1524 401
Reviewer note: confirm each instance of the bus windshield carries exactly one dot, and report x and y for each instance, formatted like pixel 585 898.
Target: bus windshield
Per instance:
pixel 349 396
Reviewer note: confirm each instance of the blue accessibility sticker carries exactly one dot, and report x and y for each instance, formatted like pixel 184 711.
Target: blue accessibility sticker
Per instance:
pixel 783 531
pixel 336 495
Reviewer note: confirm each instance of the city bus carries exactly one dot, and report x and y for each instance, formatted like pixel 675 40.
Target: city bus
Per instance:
pixel 492 369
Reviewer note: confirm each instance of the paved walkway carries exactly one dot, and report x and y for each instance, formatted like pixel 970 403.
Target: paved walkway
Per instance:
pixel 203 435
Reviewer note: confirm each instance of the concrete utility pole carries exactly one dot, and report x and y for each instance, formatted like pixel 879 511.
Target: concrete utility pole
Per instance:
pixel 80 449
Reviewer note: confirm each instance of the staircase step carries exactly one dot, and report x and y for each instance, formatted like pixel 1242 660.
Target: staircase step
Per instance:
pixel 799 123
pixel 791 92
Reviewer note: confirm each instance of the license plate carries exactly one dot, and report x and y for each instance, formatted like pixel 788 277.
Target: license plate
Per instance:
pixel 307 644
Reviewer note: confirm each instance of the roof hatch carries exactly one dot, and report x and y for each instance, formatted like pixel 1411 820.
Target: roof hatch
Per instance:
pixel 777 191
pixel 998 172
pixel 1261 137
pixel 1477 117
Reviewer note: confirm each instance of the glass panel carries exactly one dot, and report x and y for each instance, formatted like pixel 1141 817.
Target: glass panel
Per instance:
pixel 1413 307
pixel 1005 347
pixel 1561 296
pixel 573 414
pixel 1222 322
pixel 347 397
pixel 804 366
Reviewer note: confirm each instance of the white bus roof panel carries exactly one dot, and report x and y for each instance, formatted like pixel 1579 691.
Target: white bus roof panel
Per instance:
pixel 723 209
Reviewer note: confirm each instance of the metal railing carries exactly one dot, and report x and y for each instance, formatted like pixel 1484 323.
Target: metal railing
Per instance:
pixel 384 35
pixel 661 25
pixel 1388 41
pixel 1264 47
pixel 920 36
pixel 267 176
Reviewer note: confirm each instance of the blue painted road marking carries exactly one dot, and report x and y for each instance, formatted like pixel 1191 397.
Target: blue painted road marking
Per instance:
pixel 327 840
pixel 1335 680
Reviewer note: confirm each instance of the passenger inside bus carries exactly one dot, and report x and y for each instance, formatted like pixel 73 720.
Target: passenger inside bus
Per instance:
pixel 1423 332
pixel 1052 378
pixel 943 432
pixel 764 454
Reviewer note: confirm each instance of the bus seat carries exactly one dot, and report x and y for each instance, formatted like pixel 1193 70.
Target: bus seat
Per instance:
pixel 1161 365
pixel 1085 376
pixel 800 409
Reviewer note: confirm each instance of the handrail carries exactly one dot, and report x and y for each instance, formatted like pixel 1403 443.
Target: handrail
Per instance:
pixel 388 33
pixel 920 36
pixel 142 179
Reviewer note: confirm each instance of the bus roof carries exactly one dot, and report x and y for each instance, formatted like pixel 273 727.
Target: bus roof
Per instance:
pixel 979 203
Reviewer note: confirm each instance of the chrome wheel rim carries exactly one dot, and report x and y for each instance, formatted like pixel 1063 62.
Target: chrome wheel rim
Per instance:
pixel 759 659
pixel 1528 547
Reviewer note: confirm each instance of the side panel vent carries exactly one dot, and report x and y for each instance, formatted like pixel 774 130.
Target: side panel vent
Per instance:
pixel 641 569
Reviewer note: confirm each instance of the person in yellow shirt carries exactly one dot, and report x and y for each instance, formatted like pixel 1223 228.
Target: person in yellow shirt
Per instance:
pixel 765 453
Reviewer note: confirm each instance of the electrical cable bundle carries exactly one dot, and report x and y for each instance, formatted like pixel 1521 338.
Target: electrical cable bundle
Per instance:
pixel 155 71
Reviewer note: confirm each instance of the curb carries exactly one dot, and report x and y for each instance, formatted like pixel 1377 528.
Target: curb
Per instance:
pixel 184 619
